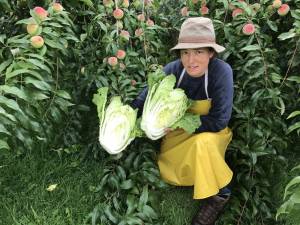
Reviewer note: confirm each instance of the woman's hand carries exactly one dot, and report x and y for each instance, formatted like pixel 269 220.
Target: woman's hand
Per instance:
pixel 168 130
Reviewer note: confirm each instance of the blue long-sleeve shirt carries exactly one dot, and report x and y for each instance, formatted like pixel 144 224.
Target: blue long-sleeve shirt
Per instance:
pixel 220 90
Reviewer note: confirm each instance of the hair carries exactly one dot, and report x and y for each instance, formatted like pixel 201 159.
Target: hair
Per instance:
pixel 210 49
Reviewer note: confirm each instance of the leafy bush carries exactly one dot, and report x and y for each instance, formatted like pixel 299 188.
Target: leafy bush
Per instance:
pixel 32 101
pixel 291 196
pixel 262 47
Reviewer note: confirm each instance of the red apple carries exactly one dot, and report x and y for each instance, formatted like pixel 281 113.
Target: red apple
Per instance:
pixel 125 34
pixel 276 4
pixel 108 3
pixel 141 17
pixel 283 10
pixel 32 27
pixel 150 22
pixel 248 29
pixel 139 32
pixel 121 54
pixel 118 14
pixel 113 61
pixel 184 11
pixel 204 10
pixel 37 41
pixel 40 12
pixel 57 7
pixel 237 11
pixel 125 3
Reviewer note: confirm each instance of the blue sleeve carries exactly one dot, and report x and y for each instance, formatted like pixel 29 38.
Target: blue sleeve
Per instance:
pixel 140 100
pixel 222 102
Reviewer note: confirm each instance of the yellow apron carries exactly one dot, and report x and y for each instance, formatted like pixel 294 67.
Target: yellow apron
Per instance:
pixel 196 159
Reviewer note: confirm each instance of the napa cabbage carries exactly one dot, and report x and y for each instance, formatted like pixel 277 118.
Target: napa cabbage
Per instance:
pixel 117 122
pixel 166 107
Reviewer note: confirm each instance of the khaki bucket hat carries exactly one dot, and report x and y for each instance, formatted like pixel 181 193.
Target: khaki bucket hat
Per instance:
pixel 197 32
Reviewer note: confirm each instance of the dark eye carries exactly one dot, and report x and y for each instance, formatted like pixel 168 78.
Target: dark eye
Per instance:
pixel 184 52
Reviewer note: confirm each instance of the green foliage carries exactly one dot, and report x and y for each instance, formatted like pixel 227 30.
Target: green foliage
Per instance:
pixel 291 196
pixel 39 87
pixel 32 102
pixel 127 184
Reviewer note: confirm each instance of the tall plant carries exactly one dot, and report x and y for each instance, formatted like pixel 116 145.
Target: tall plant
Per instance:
pixel 32 102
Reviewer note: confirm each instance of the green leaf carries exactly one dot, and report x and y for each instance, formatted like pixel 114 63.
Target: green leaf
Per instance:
pixel 54 44
pixel 295 197
pixel 282 106
pixel 251 48
pixel 143 198
pixel 127 184
pixel 129 160
pixel 149 212
pixel 294 181
pixel 293 114
pixel 36 95
pixel 286 35
pixel 189 122
pixel 41 58
pixel 15 73
pixel 89 3
pixel 4 145
pixel 14 91
pixel 39 64
pixel 83 37
pixel 296 168
pixel 109 214
pixel 131 203
pixel 114 182
pixel 294 78
pixel 7 115
pixel 63 94
pixel 103 26
pixel 100 100
pixel 17 41
pixel 2 38
pixel 12 104
pixel 283 209
pixel 5 64
pixel 42 85
pixel 272 25
pixel 121 172
pixel 53 24
pixel 5 5
pixel 294 127
pixel 22 71
pixel 4 130
pixel 25 21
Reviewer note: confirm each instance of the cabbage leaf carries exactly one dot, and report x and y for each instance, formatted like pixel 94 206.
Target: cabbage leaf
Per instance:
pixel 117 122
pixel 165 107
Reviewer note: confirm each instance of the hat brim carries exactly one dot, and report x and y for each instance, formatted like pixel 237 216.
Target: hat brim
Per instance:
pixel 216 47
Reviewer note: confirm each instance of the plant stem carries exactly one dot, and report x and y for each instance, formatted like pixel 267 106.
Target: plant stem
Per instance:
pixel 263 57
pixel 56 85
pixel 290 64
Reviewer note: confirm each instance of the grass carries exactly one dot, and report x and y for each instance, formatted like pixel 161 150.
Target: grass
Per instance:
pixel 25 200
pixel 177 206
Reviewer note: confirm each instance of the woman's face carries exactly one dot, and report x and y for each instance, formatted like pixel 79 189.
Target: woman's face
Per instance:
pixel 195 61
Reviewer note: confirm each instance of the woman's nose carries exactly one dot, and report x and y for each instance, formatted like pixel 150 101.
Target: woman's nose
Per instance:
pixel 191 57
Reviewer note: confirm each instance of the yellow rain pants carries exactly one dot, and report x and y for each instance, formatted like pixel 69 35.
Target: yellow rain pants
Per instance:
pixel 196 159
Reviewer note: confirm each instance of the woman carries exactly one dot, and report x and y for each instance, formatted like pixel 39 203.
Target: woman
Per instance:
pixel 198 159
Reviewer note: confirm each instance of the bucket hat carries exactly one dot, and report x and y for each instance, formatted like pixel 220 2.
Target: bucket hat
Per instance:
pixel 197 32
